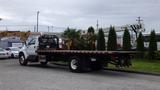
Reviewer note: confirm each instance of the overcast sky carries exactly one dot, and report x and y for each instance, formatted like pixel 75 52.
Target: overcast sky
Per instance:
pixel 81 13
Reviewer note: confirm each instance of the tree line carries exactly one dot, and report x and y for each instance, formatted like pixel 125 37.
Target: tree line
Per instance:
pixel 92 41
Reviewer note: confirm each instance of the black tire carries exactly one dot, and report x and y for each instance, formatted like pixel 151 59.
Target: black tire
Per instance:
pixel 22 60
pixel 75 64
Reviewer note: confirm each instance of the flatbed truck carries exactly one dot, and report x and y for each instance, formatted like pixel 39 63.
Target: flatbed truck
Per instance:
pixel 45 49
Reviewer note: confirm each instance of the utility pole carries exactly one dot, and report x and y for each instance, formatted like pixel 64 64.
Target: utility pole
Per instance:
pixel 37 19
pixel 1 19
pixel 34 28
pixel 6 28
pixel 97 25
pixel 139 20
pixel 48 28
pixel 137 31
pixel 52 28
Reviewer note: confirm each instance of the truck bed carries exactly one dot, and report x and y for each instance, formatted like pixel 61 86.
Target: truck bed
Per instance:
pixel 43 51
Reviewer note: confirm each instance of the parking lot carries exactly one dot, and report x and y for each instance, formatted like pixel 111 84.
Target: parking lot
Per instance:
pixel 36 77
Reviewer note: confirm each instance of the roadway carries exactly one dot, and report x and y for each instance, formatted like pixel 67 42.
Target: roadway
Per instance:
pixel 53 77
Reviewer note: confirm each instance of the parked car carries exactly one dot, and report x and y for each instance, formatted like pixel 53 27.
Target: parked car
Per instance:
pixel 3 53
pixel 13 51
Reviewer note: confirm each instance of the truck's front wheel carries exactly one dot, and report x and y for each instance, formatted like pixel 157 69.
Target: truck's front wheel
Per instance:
pixel 22 60
pixel 75 64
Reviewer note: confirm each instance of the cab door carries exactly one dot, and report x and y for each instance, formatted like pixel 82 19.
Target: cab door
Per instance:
pixel 32 46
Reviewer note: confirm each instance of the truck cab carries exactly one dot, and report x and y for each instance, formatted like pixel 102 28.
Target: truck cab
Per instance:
pixel 28 52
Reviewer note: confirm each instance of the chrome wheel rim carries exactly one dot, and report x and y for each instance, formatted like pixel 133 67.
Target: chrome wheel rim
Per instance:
pixel 21 59
pixel 74 64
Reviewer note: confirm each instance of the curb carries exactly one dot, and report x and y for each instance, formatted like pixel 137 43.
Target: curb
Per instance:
pixel 128 71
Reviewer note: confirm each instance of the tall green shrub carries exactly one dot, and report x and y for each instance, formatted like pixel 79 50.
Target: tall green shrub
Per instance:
pixel 140 45
pixel 91 38
pixel 126 40
pixel 152 45
pixel 112 40
pixel 91 30
pixel 101 40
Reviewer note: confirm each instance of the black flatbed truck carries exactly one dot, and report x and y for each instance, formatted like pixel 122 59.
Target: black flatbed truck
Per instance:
pixel 82 60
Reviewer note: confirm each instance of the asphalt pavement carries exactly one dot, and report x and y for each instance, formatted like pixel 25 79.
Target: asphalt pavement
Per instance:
pixel 53 77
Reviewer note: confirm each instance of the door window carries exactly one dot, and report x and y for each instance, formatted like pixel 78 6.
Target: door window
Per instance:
pixel 32 42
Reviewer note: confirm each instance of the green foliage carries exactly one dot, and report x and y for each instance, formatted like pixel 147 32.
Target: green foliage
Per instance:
pixel 71 34
pixel 78 41
pixel 101 40
pixel 142 65
pixel 157 55
pixel 146 66
pixel 126 40
pixel 140 45
pixel 91 38
pixel 91 30
pixel 112 40
pixel 152 45
pixel 81 44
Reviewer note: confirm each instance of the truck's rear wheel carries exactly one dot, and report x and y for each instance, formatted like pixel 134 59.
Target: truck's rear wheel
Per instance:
pixel 22 60
pixel 75 64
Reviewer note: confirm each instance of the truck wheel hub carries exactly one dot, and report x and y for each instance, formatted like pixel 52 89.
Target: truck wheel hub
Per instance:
pixel 21 59
pixel 74 64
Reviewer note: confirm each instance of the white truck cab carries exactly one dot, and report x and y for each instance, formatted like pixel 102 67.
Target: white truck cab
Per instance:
pixel 28 51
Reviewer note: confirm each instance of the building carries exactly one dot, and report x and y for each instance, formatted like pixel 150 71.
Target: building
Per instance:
pixel 10 42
